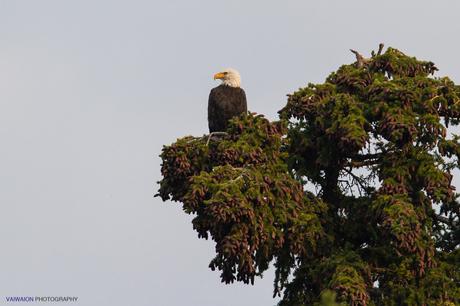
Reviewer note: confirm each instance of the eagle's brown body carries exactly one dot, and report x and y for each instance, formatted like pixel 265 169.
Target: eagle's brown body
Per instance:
pixel 225 102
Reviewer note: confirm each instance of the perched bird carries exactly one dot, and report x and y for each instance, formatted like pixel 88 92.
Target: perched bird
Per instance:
pixel 226 100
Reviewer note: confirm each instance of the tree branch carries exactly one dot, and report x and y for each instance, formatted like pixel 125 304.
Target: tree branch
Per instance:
pixel 381 45
pixel 357 179
pixel 364 157
pixel 215 134
pixel 446 221
pixel 360 60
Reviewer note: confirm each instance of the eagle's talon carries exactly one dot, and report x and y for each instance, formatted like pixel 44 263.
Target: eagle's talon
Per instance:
pixel 215 133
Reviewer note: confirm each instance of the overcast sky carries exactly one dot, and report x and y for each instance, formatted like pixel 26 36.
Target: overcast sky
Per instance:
pixel 90 90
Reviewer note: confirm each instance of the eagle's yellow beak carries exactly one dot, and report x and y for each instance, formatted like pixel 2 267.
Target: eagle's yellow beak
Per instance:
pixel 219 75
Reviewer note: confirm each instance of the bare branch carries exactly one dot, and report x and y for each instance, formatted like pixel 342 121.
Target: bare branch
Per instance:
pixel 381 45
pixel 360 60
pixel 357 179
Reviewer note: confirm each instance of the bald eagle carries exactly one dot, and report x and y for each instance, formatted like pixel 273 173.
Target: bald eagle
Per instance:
pixel 226 100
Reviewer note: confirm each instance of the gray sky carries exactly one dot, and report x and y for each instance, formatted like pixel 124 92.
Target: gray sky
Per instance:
pixel 91 90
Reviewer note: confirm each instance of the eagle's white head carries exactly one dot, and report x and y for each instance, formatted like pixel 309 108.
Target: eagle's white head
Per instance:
pixel 229 77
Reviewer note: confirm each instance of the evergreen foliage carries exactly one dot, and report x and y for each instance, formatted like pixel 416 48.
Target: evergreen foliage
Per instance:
pixel 350 194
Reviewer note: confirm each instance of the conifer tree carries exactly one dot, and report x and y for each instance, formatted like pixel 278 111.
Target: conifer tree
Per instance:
pixel 349 194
